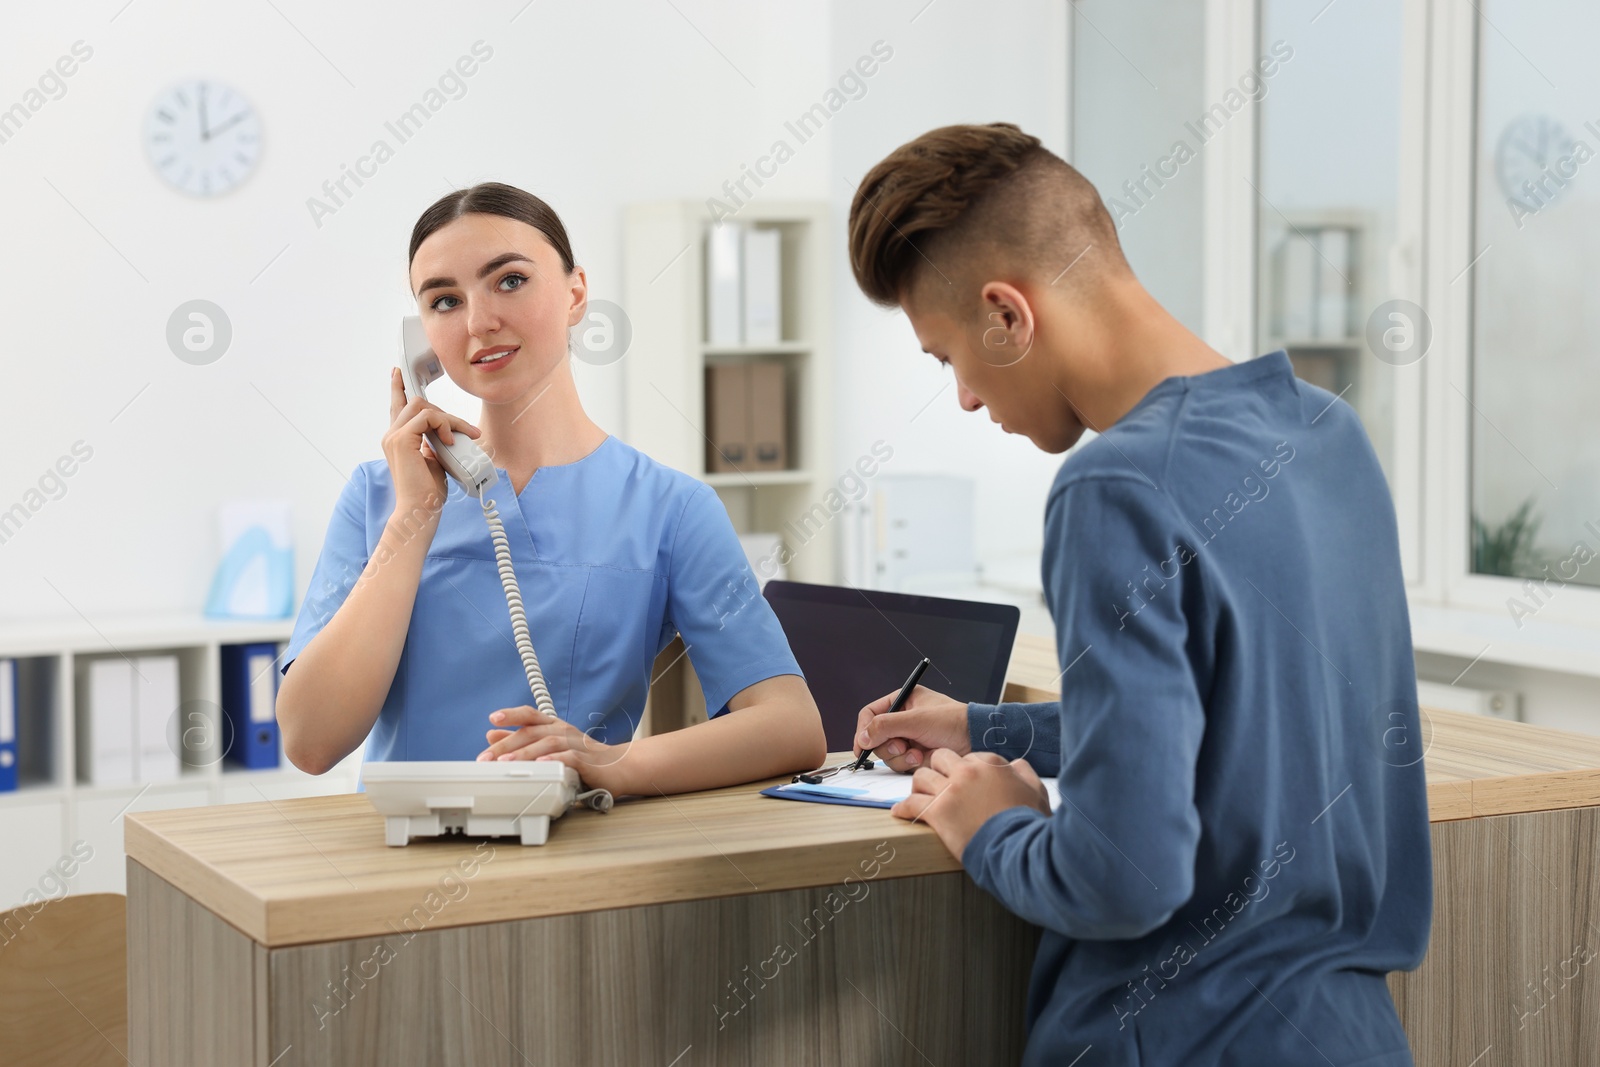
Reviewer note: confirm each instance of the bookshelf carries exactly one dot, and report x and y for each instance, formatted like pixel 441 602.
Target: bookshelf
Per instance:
pixel 1334 356
pixel 51 812
pixel 664 286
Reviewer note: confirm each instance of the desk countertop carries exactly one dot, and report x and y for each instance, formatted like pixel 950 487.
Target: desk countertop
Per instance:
pixel 317 869
pixel 1475 765
pixel 300 871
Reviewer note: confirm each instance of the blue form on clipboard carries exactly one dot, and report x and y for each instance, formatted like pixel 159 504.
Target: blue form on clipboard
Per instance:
pixel 879 787
pixel 825 795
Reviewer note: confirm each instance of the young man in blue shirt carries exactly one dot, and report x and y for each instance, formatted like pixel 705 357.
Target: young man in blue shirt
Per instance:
pixel 1241 852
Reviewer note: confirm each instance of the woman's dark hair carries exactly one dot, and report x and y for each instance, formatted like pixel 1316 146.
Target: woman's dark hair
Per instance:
pixel 493 198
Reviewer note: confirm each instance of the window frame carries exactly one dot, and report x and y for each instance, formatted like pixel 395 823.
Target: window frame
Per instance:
pixel 1405 276
pixel 1456 40
pixel 1432 461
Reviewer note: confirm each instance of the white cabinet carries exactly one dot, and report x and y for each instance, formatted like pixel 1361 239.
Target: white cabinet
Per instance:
pixel 665 249
pixel 57 808
pixel 31 845
pixel 97 822
pixel 254 787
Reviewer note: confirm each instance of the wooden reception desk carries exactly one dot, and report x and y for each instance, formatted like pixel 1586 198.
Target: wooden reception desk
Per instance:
pixel 727 928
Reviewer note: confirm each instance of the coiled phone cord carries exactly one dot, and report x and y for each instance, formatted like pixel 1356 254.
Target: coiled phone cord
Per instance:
pixel 598 799
pixel 519 619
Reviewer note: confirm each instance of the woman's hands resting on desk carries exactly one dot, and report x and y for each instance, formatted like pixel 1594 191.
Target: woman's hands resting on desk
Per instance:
pixel 930 739
pixel 771 727
pixel 531 734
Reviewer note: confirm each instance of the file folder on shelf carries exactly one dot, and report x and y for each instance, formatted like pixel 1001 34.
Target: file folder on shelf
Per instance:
pixel 8 725
pixel 105 721
pixel 725 284
pixel 763 301
pixel 127 725
pixel 155 702
pixel 249 700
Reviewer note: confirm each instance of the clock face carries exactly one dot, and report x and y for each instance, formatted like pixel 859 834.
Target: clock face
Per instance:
pixel 203 137
pixel 1527 158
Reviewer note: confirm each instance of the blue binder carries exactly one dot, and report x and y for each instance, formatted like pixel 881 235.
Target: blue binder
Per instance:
pixel 9 695
pixel 249 701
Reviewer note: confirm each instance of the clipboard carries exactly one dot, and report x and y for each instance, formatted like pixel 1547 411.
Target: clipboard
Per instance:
pixel 821 798
pixel 879 787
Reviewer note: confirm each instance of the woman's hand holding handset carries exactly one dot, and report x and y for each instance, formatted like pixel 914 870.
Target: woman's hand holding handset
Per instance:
pixel 419 480
pixel 341 679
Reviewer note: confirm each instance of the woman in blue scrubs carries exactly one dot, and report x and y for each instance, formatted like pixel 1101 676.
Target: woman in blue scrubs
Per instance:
pixel 405 639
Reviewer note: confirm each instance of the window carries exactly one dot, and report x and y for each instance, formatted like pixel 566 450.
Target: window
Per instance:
pixel 1328 193
pixel 1423 205
pixel 1137 76
pixel 1535 364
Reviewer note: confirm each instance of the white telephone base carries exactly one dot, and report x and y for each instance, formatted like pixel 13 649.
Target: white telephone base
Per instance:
pixel 434 798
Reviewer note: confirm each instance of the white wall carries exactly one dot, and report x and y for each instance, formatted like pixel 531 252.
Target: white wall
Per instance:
pixel 1556 699
pixel 954 62
pixel 588 106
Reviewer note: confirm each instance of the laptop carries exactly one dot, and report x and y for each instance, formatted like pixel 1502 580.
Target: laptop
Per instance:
pixel 856 645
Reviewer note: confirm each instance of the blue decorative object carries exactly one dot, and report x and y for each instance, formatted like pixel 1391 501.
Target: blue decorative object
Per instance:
pixel 255 578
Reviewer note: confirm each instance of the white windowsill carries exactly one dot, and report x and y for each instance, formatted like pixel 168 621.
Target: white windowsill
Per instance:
pixel 1494 637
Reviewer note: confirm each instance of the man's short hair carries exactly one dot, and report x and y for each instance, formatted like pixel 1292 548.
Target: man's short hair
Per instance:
pixel 963 205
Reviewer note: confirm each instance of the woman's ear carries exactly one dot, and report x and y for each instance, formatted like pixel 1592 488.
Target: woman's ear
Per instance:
pixel 579 288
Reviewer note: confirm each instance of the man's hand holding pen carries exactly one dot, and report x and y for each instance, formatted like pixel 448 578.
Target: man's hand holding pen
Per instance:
pixel 953 789
pixel 903 739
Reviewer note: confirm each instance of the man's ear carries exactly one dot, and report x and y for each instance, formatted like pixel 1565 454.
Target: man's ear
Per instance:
pixel 1008 329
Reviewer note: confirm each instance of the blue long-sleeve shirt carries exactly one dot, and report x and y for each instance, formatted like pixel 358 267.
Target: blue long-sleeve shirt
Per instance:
pixel 1241 852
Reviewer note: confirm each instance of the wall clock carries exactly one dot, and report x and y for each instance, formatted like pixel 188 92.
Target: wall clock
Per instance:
pixel 202 136
pixel 1529 160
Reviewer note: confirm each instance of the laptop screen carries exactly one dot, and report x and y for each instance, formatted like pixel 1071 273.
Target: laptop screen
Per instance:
pixel 856 645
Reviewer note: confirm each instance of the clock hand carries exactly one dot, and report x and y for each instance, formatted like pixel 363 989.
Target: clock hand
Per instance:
pixel 205 134
pixel 240 117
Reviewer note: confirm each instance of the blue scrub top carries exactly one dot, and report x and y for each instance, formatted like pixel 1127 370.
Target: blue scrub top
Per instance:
pixel 615 553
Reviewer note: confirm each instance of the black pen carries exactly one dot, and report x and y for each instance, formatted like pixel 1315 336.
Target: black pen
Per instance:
pixel 896 704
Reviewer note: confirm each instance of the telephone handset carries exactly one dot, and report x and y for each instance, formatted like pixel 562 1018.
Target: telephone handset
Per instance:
pixel 464 461
pixel 472 469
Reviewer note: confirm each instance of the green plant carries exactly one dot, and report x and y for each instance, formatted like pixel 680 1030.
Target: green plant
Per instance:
pixel 1506 549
